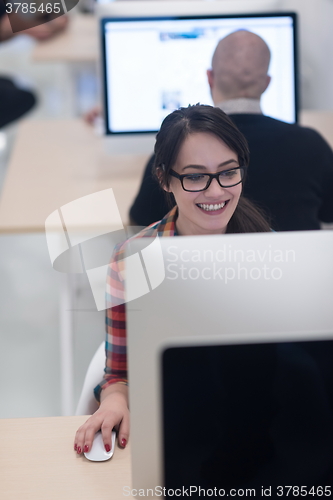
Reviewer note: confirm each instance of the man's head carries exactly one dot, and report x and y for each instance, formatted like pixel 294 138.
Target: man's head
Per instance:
pixel 239 67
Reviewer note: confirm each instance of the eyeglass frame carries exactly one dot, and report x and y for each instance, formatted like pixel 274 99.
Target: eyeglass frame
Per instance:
pixel 211 177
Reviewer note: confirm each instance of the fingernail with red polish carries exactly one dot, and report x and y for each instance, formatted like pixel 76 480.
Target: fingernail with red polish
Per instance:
pixel 75 447
pixel 123 442
pixel 107 447
pixel 86 448
pixel 79 449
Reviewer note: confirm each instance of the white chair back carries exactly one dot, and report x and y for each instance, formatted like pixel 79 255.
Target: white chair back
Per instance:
pixel 87 404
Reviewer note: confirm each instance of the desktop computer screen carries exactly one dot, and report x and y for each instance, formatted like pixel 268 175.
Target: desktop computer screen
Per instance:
pixel 154 65
pixel 248 417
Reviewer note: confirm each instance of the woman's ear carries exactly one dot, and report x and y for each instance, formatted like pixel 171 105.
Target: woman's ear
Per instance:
pixel 160 177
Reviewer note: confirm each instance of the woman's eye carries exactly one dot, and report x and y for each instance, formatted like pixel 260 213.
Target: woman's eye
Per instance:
pixel 195 177
pixel 229 173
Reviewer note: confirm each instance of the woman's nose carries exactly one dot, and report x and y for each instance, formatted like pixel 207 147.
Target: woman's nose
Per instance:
pixel 214 189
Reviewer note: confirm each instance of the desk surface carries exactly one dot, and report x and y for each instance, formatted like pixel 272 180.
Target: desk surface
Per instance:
pixel 56 162
pixel 79 43
pixel 37 462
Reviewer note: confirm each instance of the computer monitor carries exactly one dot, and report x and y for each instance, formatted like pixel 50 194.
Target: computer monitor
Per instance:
pixel 215 290
pixel 153 65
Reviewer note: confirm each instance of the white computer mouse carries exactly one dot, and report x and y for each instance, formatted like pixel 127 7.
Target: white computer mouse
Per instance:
pixel 97 453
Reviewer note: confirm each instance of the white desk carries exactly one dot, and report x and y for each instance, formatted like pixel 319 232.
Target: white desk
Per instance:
pixel 37 462
pixel 79 43
pixel 56 162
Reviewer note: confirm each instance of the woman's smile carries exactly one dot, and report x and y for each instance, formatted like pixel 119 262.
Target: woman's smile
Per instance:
pixel 213 208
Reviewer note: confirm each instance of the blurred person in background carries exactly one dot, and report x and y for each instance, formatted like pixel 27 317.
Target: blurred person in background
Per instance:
pixel 14 101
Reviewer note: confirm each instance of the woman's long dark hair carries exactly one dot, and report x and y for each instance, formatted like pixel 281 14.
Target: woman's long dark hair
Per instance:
pixel 177 126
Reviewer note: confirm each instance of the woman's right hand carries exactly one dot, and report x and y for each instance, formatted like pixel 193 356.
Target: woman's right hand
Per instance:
pixel 112 413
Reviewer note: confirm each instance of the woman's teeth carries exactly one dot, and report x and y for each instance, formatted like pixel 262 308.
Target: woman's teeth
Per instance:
pixel 211 208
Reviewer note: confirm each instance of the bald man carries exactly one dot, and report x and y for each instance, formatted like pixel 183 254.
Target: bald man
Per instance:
pixel 240 68
pixel 290 175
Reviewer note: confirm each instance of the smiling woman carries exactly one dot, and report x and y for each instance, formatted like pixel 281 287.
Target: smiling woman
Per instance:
pixel 200 157
pixel 202 148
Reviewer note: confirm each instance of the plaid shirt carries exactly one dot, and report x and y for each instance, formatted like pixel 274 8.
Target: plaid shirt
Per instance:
pixel 115 343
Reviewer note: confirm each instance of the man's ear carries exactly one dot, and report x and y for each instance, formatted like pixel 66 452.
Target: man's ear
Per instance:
pixel 268 81
pixel 210 77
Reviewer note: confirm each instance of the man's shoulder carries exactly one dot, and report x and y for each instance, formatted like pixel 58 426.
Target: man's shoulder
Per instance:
pixel 263 120
pixel 267 124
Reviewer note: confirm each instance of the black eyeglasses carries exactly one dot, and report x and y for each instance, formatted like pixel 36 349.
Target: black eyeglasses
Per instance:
pixel 201 182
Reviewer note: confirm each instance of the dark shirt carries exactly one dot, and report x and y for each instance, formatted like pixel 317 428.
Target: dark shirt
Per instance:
pixel 290 176
pixel 2 8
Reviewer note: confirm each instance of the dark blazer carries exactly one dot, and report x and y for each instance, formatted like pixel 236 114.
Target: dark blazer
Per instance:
pixel 290 176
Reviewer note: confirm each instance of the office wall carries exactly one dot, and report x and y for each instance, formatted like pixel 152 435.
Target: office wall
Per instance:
pixel 316 49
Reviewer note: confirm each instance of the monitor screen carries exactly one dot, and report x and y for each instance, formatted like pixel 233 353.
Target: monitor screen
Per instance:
pixel 155 65
pixel 248 419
